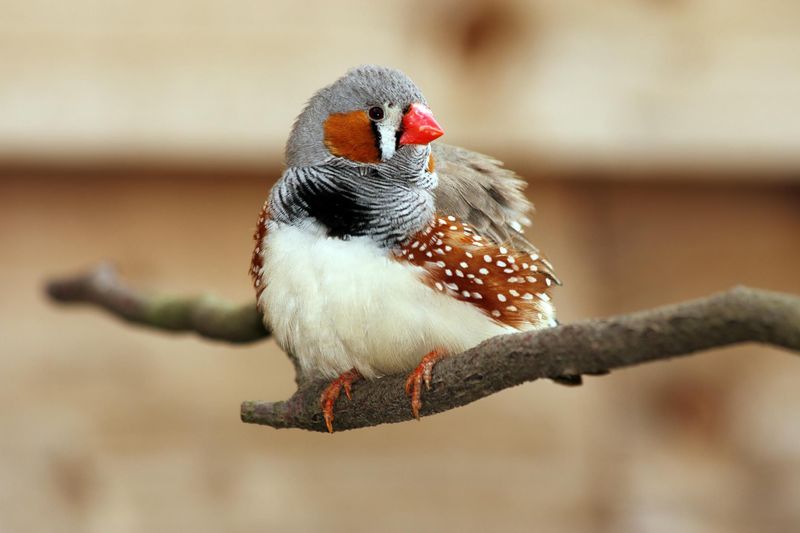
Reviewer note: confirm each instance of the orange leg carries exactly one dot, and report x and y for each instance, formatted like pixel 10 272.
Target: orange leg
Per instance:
pixel 419 375
pixel 331 394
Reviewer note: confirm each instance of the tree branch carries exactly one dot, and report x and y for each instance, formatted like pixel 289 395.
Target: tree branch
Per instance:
pixel 587 347
pixel 205 315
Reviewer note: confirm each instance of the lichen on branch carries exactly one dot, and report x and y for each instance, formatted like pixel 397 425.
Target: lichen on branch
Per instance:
pixel 205 315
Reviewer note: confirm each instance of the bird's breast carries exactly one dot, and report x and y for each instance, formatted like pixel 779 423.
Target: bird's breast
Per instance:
pixel 340 304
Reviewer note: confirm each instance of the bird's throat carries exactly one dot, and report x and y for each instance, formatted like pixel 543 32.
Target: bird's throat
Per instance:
pixel 351 202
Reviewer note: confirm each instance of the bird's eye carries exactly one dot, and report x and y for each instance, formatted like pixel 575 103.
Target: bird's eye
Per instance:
pixel 376 113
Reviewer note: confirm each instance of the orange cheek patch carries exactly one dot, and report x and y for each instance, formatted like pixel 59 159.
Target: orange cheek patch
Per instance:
pixel 350 135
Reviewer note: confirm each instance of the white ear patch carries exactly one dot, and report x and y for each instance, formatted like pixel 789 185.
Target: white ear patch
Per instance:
pixel 387 129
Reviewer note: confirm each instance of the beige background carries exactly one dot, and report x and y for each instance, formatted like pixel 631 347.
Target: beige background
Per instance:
pixel 576 81
pixel 660 143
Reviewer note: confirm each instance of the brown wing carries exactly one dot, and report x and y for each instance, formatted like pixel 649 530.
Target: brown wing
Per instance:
pixel 257 260
pixel 510 286
pixel 479 190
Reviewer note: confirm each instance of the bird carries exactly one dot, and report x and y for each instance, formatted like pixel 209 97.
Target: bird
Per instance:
pixel 379 251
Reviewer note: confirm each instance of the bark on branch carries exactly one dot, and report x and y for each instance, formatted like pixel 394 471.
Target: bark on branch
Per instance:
pixel 587 347
pixel 205 315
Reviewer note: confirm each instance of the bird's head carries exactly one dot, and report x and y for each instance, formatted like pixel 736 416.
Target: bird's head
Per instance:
pixel 364 117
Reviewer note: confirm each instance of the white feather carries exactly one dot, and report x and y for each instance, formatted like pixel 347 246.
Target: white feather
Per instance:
pixel 388 128
pixel 341 304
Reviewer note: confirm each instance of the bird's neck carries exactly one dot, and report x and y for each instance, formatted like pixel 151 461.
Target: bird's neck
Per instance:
pixel 387 203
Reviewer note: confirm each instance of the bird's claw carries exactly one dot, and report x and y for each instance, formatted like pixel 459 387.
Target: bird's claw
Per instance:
pixel 413 386
pixel 422 374
pixel 331 393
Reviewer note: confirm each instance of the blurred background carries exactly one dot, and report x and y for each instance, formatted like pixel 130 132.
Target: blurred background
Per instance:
pixel 661 142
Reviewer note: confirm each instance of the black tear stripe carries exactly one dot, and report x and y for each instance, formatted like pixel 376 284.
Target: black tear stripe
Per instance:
pixel 397 135
pixel 400 128
pixel 376 136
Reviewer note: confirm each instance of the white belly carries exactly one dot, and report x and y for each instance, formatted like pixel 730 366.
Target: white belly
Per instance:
pixel 338 305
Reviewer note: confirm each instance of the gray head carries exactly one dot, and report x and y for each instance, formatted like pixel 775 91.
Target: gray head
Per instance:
pixel 364 117
pixel 359 160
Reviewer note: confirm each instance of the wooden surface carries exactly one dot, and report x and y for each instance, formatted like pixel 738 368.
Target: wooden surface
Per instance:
pixel 578 83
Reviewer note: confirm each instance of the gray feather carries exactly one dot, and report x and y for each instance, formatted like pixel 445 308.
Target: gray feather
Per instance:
pixel 472 186
pixel 360 88
pixel 479 190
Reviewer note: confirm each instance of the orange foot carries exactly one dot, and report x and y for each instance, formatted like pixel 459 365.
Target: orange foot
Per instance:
pixel 421 374
pixel 332 391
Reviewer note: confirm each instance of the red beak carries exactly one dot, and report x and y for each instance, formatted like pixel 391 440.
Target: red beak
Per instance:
pixel 419 126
